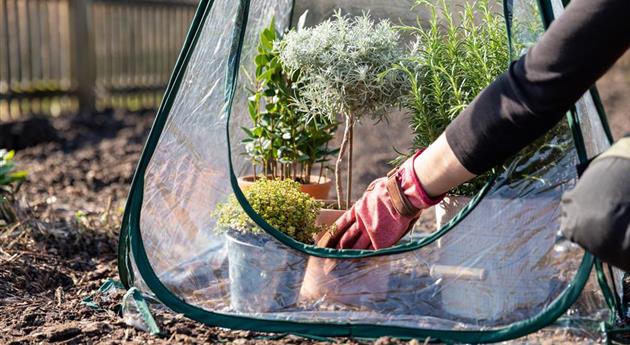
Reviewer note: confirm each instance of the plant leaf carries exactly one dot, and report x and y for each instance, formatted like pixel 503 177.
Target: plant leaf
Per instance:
pixel 302 21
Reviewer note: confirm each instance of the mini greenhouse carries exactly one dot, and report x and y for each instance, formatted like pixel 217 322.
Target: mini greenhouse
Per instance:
pixel 498 269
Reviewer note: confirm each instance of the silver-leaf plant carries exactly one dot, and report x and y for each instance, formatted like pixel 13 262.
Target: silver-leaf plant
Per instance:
pixel 345 70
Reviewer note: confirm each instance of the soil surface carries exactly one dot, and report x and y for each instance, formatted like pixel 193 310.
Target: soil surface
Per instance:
pixel 64 246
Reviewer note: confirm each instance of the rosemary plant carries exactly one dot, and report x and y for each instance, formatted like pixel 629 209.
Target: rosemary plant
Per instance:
pixel 453 58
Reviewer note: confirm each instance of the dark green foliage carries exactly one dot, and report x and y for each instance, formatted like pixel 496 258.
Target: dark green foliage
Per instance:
pixel 283 141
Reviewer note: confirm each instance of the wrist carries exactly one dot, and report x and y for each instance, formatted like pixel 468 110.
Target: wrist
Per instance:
pixel 413 187
pixel 438 169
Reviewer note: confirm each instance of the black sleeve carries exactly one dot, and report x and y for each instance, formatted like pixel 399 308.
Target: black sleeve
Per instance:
pixel 538 89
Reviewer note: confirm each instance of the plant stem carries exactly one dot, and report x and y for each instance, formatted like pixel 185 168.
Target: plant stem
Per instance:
pixel 309 171
pixel 349 177
pixel 321 167
pixel 321 173
pixel 342 151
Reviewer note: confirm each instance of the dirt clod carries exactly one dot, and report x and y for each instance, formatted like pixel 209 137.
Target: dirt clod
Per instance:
pixel 62 334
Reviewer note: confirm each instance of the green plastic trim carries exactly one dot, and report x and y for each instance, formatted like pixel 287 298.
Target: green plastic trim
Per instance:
pixel 143 309
pixel 507 15
pixel 608 294
pixel 618 335
pixel 125 268
pixel 578 138
pixel 603 117
pixel 131 239
pixel 292 13
pixel 107 286
pixel 621 312
pixel 546 12
pixel 315 329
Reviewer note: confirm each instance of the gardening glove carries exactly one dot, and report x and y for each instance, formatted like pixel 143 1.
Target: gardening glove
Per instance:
pixel 384 214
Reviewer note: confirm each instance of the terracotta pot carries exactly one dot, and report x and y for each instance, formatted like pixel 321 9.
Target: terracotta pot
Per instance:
pixel 358 282
pixel 316 190
pixel 328 216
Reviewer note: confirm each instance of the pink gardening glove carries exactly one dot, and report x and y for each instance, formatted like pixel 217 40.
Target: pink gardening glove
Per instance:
pixel 385 213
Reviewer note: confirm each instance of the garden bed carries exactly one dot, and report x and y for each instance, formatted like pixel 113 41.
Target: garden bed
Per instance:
pixel 65 246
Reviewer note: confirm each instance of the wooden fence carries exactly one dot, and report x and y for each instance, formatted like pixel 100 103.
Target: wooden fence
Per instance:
pixel 61 56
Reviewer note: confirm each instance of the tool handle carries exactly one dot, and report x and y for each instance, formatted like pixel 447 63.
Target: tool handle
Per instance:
pixel 459 272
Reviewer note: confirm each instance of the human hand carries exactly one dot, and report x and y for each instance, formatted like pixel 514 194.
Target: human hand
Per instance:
pixel 384 214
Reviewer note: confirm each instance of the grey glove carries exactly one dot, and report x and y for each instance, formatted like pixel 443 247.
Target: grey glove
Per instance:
pixel 596 213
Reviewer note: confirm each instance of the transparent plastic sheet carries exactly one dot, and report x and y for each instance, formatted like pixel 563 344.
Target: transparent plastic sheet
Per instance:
pixel 505 262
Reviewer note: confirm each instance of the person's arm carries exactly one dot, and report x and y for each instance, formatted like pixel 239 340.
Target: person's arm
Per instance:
pixel 532 96
pixel 438 168
pixel 513 111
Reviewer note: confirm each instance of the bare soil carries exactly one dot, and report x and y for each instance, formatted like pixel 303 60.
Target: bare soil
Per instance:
pixel 64 248
pixel 70 209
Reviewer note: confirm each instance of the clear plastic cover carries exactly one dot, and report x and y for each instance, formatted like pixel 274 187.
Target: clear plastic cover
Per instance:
pixel 505 262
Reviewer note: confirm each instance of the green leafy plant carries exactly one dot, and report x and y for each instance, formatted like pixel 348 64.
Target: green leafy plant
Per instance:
pixel 453 59
pixel 282 141
pixel 279 202
pixel 344 69
pixel 9 177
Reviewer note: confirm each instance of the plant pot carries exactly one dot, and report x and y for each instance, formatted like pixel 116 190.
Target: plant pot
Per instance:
pixel 316 190
pixel 264 275
pixel 328 216
pixel 357 282
pixel 489 238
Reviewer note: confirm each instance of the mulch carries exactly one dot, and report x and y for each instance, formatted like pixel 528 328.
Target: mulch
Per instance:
pixel 64 246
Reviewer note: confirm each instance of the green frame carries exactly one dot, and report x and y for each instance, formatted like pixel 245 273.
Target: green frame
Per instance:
pixel 131 238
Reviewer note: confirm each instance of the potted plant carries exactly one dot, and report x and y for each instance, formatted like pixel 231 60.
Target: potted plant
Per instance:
pixel 451 61
pixel 264 275
pixel 8 178
pixel 282 141
pixel 343 68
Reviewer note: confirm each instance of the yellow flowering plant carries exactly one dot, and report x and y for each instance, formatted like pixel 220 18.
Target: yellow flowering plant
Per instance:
pixel 279 202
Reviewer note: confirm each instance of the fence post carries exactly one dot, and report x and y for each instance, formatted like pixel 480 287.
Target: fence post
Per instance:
pixel 83 55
